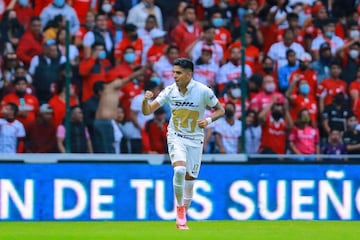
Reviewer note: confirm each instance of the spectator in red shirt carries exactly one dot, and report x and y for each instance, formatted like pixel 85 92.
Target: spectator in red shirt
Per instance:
pixel 81 8
pixel 304 138
pixel 39 5
pixel 293 21
pixel 275 121
pixel 354 91
pixel 28 104
pixel 332 86
pixel 30 44
pixel 306 73
pixel 157 50
pixel 222 34
pixel 57 102
pixel 267 67
pixel 154 133
pixel 93 69
pixel 233 95
pixel 89 25
pixel 300 99
pixel 24 11
pixel 187 31
pixel 130 39
pixel 41 134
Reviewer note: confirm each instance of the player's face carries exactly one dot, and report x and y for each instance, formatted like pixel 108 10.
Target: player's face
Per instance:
pixel 182 77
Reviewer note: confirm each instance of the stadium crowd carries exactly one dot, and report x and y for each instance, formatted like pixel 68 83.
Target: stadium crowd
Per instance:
pixel 301 67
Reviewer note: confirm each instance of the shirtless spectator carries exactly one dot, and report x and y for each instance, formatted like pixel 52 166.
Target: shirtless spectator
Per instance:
pixel 107 111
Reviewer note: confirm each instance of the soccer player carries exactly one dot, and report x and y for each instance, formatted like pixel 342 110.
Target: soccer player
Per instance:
pixel 187 99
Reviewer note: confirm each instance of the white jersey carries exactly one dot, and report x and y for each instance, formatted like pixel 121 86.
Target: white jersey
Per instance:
pixel 230 72
pixel 277 52
pixel 217 52
pixel 230 134
pixel 9 134
pixel 135 106
pixel 164 69
pixel 187 109
pixel 206 73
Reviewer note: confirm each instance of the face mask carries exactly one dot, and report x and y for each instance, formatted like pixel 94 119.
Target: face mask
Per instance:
pixel 229 113
pixel 119 20
pixel 276 114
pixel 217 22
pixel 102 54
pixel 156 80
pixel 129 57
pixel 329 34
pixel 59 3
pixel 148 5
pixel 20 93
pixel 305 119
pixel 354 34
pixel 236 92
pixel 354 54
pixel 302 66
pixel 188 22
pixel 133 37
pixel 223 5
pixel 352 125
pixel 23 3
pixel 268 69
pixel 106 7
pixel 270 87
pixel 304 89
pixel 90 25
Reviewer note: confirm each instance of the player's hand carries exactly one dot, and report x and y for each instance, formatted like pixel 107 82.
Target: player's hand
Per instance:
pixel 148 95
pixel 202 123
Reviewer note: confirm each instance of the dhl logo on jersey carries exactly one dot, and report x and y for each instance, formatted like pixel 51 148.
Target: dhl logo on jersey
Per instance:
pixel 185 104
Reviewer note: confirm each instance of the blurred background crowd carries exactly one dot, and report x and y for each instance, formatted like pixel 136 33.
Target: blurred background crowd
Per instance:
pixel 301 69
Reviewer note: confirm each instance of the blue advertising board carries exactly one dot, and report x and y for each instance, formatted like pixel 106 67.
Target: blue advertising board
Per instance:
pixel 119 191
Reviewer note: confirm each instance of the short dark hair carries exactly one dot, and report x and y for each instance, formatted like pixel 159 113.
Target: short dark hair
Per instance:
pixel 150 85
pixel 184 63
pixel 14 107
pixel 20 78
pixel 290 51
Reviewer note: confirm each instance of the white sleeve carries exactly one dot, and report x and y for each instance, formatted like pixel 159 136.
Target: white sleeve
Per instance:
pixel 136 104
pixel 272 53
pixel 89 39
pixel 196 51
pixel 163 96
pixel 33 64
pixel 210 98
pixel 21 130
pixel 131 18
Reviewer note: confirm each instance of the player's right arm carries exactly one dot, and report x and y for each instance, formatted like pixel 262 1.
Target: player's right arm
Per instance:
pixel 148 108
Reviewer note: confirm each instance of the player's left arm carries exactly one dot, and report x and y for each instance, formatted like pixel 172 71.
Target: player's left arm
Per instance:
pixel 218 113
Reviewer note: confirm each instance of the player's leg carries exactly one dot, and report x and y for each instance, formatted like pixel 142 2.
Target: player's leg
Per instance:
pixel 193 165
pixel 177 152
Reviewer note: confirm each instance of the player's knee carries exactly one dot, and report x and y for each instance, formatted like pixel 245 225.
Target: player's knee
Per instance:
pixel 179 174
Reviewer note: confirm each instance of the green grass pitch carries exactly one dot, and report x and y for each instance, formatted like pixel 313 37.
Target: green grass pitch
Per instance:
pixel 202 230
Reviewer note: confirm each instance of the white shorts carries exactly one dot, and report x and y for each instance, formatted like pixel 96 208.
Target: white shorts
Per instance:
pixel 180 151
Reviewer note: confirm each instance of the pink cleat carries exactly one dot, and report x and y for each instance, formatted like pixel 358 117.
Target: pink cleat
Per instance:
pixel 181 218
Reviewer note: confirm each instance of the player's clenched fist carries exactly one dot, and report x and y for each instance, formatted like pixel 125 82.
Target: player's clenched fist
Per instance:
pixel 148 95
